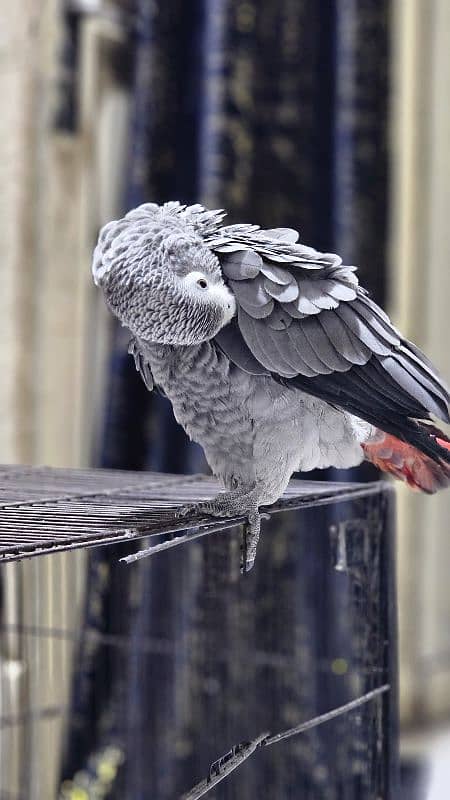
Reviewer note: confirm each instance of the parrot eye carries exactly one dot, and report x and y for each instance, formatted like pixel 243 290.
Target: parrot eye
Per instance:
pixel 198 279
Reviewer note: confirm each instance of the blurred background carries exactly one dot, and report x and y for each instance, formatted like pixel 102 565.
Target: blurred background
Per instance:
pixel 330 116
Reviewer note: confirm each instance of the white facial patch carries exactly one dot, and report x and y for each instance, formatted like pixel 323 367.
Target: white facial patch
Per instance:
pixel 201 284
pixel 197 279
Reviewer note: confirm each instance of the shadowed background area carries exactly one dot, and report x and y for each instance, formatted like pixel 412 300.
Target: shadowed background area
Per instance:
pixel 328 116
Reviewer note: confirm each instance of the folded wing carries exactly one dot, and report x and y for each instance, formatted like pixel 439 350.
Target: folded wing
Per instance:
pixel 304 319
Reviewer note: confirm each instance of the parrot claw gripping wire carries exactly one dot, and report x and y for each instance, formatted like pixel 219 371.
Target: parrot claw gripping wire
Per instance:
pixel 251 528
pixel 186 511
pixel 250 538
pixel 225 506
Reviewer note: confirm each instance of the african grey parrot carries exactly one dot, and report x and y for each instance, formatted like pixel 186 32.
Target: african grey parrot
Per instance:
pixel 273 356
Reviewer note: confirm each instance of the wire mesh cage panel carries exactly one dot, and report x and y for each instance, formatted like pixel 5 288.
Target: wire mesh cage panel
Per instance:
pixel 173 675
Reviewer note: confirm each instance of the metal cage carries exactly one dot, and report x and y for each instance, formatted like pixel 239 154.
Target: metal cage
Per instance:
pixel 175 676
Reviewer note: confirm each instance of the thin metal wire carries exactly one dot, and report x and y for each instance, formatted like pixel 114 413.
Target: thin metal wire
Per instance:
pixel 45 510
pixel 30 714
pixel 313 723
pixel 152 645
pixel 221 768
pixel 226 764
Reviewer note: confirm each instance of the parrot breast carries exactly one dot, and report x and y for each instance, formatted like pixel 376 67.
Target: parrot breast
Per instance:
pixel 254 431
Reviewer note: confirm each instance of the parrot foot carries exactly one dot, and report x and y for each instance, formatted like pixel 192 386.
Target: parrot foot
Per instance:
pixel 206 508
pixel 250 539
pixel 229 504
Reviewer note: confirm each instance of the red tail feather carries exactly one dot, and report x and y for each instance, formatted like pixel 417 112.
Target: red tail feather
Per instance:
pixel 406 462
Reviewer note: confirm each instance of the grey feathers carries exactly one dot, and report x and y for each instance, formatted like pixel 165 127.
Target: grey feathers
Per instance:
pixel 301 314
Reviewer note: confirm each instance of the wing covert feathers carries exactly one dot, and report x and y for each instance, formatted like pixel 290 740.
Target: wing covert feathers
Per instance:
pixel 306 320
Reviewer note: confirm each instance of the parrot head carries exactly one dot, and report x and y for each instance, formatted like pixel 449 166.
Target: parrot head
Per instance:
pixel 160 279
